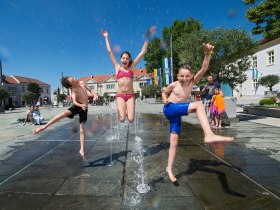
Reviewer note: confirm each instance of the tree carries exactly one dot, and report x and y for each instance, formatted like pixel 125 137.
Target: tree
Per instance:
pixel 269 81
pixel 176 30
pixel 3 94
pixel 35 89
pixel 61 97
pixel 266 16
pixel 29 97
pixel 230 60
pixel 154 55
pixel 151 91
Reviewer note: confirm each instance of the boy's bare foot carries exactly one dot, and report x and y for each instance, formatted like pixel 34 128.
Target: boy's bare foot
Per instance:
pixel 83 155
pixel 37 130
pixel 171 175
pixel 216 138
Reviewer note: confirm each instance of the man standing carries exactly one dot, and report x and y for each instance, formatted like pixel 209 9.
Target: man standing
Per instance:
pixel 209 89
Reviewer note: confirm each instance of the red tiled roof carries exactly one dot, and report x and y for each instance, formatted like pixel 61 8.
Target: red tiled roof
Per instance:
pixel 29 80
pixel 18 80
pixel 10 80
pixel 101 78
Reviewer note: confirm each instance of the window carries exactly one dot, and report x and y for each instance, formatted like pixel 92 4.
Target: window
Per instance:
pixel 255 62
pixel 12 90
pixel 91 87
pixel 23 89
pixel 142 84
pixel 254 84
pixel 110 86
pixel 47 90
pixel 270 57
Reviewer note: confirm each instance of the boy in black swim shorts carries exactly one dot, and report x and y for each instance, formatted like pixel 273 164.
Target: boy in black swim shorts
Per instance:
pixel 80 107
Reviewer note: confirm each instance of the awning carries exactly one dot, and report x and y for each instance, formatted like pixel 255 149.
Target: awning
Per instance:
pixel 112 94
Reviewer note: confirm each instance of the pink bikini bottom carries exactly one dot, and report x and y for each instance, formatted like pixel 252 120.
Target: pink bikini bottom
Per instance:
pixel 125 97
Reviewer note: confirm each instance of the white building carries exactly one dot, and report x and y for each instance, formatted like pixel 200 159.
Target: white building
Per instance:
pixel 265 61
pixel 108 83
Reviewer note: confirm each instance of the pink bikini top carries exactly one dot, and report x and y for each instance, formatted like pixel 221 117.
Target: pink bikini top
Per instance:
pixel 122 73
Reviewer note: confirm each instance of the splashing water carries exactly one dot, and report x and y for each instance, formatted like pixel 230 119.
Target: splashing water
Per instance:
pixel 137 156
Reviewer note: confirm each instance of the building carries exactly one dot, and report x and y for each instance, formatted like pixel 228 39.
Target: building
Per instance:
pixel 108 83
pixel 17 87
pixel 265 61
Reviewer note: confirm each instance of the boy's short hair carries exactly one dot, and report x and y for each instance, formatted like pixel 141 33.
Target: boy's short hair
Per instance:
pixel 65 82
pixel 185 66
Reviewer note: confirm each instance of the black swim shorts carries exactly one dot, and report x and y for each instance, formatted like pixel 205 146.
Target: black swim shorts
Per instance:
pixel 78 110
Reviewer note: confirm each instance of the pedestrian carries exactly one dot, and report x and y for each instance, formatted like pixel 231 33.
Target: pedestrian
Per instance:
pixel 209 90
pixel 79 107
pixel 175 106
pixel 37 117
pixel 125 92
pixel 29 115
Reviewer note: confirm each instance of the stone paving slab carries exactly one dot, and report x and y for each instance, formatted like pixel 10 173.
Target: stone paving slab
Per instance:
pixel 46 172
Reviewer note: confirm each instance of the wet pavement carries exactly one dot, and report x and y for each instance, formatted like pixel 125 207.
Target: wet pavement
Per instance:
pixel 44 171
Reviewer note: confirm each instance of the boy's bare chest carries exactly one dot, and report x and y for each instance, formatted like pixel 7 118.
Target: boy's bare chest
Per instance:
pixel 182 91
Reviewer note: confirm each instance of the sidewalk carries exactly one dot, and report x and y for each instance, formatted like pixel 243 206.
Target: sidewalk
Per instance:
pixel 44 171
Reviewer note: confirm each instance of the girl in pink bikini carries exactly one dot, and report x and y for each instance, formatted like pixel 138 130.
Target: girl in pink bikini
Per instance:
pixel 125 92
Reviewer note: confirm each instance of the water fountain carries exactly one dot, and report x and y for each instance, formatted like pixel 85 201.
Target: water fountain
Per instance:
pixel 113 111
pixel 137 156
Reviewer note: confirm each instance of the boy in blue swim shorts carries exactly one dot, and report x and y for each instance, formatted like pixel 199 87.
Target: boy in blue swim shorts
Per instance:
pixel 175 96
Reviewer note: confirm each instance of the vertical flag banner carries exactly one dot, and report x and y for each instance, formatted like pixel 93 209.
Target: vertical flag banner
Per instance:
pixel 166 64
pixel 155 77
pixel 163 75
pixel 159 77
pixel 255 73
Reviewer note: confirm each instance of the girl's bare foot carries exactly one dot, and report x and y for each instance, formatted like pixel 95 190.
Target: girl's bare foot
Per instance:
pixel 171 175
pixel 37 130
pixel 216 138
pixel 83 155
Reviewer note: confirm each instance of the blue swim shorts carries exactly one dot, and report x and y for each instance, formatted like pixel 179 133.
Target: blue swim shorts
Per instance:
pixel 173 112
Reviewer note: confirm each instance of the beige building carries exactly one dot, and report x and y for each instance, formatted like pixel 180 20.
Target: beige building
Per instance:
pixel 108 83
pixel 17 87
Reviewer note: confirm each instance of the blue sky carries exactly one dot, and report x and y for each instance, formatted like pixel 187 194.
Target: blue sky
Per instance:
pixel 42 38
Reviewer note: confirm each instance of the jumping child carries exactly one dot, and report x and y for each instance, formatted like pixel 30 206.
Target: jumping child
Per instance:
pixel 176 106
pixel 80 107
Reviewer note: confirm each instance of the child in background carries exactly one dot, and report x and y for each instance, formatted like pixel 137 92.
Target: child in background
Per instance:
pixel 218 106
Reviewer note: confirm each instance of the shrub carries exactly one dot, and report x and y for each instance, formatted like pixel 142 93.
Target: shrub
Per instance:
pixel 266 101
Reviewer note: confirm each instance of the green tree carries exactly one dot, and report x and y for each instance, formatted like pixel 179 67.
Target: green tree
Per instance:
pixel 34 88
pixel 152 90
pixel 230 60
pixel 154 55
pixel 266 16
pixel 158 49
pixel 269 81
pixel 3 94
pixel 29 97
pixel 61 97
pixel 178 28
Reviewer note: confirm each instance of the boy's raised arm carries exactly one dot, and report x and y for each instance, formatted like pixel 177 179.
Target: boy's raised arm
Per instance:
pixel 208 51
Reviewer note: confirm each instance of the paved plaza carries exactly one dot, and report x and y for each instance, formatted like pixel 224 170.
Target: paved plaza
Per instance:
pixel 45 172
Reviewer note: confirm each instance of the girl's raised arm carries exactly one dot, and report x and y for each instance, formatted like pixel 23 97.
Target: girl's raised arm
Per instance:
pixel 112 57
pixel 149 34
